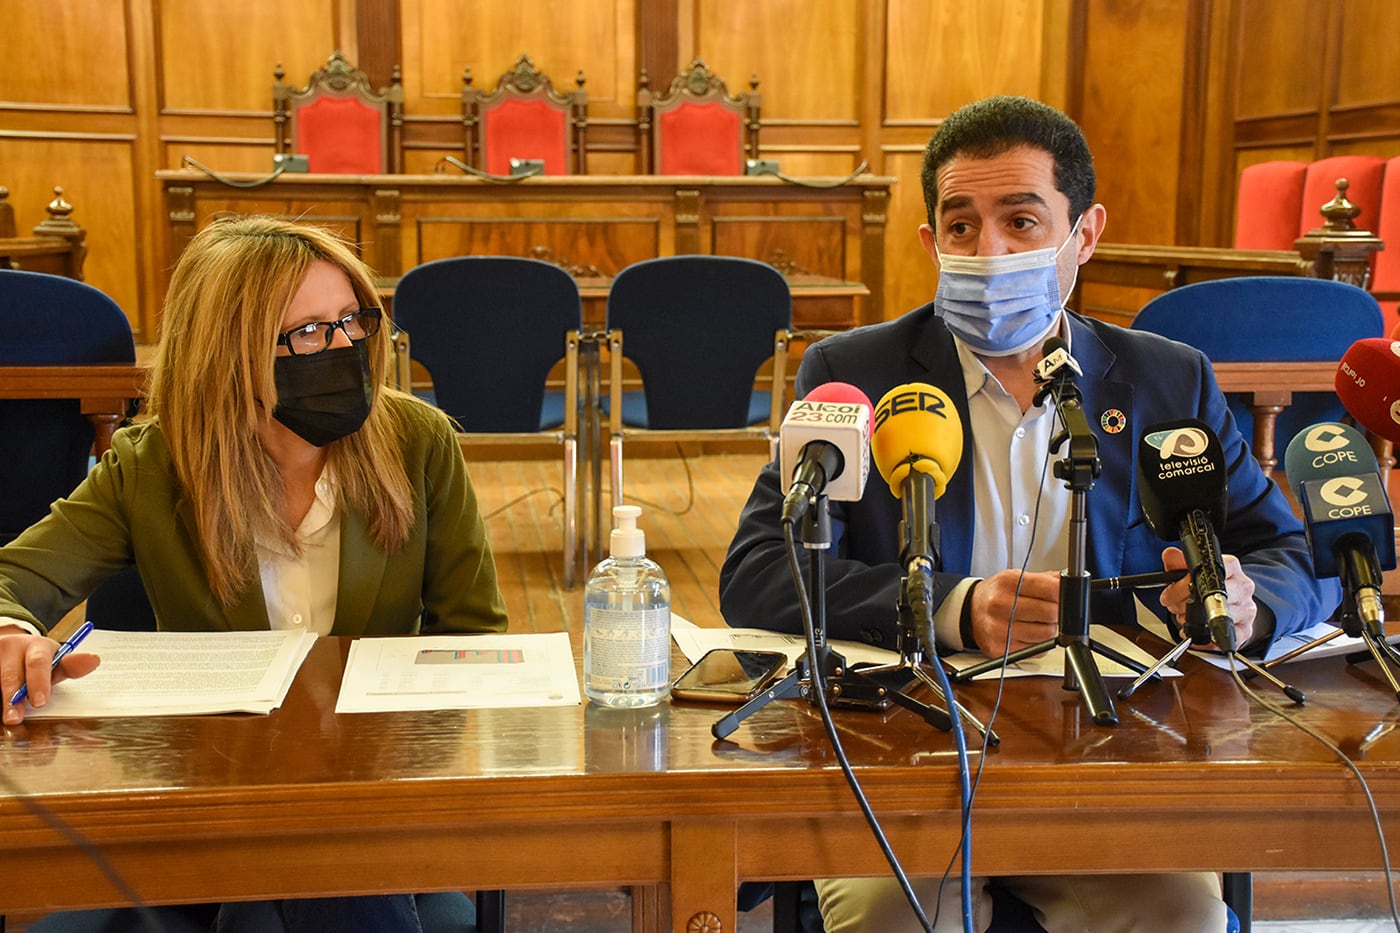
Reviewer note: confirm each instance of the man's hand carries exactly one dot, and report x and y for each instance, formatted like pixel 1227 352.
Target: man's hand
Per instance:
pixel 26 658
pixel 1239 589
pixel 1037 610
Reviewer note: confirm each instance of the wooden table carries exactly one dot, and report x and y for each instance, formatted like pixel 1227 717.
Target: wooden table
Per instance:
pixel 1270 387
pixel 305 802
pixel 103 391
pixel 591 225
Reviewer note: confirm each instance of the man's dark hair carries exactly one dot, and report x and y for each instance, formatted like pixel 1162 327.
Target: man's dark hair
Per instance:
pixel 991 127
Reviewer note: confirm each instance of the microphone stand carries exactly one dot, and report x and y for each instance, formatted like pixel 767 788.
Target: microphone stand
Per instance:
pixel 844 687
pixel 915 606
pixel 1079 468
pixel 1197 539
pixel 1364 619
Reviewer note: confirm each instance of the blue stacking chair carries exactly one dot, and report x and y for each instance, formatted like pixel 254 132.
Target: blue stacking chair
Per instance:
pixel 698 329
pixel 1268 318
pixel 489 329
pixel 49 320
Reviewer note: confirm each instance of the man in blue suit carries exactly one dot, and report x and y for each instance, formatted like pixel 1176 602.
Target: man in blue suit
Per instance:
pixel 1009 188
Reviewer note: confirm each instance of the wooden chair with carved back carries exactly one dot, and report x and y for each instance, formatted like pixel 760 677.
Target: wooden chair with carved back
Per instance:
pixel 697 127
pixel 525 118
pixel 339 122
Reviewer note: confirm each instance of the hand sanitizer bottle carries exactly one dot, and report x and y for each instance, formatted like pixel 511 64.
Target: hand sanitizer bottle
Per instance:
pixel 627 622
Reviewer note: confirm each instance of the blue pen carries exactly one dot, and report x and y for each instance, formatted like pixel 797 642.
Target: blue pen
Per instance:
pixel 64 650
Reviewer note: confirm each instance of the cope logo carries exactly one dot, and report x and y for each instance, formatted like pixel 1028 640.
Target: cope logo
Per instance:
pixel 1179 442
pixel 1324 438
pixel 1343 492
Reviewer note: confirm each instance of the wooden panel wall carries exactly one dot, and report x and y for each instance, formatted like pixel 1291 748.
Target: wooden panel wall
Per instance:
pixel 1177 96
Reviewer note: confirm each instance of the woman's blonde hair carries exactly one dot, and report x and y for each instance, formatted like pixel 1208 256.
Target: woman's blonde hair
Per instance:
pixel 212 385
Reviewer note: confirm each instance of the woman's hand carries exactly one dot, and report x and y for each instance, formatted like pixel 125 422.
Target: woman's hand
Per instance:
pixel 28 659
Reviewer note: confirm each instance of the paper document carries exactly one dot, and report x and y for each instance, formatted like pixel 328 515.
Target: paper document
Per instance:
pixel 458 672
pixel 694 642
pixel 1052 663
pixel 180 673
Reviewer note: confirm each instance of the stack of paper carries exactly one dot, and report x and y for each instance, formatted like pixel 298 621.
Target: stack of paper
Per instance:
pixel 180 673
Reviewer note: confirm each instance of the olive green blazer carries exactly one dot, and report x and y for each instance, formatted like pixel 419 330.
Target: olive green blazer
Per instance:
pixel 131 510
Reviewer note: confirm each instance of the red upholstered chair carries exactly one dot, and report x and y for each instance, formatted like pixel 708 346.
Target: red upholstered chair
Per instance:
pixel 1385 280
pixel 338 122
pixel 1268 205
pixel 525 118
pixel 697 127
pixel 1363 174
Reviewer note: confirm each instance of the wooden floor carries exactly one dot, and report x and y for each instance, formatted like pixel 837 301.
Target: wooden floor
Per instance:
pixel 690 507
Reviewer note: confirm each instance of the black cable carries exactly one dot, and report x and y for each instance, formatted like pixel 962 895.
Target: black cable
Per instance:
pixel 256 183
pixel 473 170
pixel 860 170
pixel 819 691
pixel 689 489
pixel 966 830
pixel 149 917
pixel 1351 766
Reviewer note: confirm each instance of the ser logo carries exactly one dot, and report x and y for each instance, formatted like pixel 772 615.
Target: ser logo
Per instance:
pixel 905 402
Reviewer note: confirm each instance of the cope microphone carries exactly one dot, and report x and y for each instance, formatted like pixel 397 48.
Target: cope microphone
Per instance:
pixel 825 444
pixel 1368 383
pixel 1182 487
pixel 917 443
pixel 1347 514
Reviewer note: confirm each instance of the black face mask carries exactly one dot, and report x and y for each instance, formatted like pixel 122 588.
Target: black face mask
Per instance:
pixel 325 396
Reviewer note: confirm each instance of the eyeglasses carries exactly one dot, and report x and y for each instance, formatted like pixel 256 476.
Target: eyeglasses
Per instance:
pixel 316 336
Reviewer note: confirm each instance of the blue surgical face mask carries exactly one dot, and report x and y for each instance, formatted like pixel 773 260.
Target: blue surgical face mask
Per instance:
pixel 1001 305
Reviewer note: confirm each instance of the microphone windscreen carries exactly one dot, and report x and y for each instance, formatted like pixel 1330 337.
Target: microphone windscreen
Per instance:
pixel 1181 468
pixel 840 393
pixel 836 413
pixel 1325 450
pixel 916 428
pixel 1368 383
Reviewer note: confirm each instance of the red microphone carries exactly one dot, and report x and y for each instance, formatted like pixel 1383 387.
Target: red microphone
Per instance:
pixel 1368 383
pixel 825 447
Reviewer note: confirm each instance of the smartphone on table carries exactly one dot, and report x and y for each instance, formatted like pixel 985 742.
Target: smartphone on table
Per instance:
pixel 728 675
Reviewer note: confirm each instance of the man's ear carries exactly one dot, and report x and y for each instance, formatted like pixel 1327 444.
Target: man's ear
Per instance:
pixel 1090 229
pixel 926 240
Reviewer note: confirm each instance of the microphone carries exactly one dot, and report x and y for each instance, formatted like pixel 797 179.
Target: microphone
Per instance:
pixel 1055 358
pixel 1368 383
pixel 917 443
pixel 1182 488
pixel 825 444
pixel 1347 514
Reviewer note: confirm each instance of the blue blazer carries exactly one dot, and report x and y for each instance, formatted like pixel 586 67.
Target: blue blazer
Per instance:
pixel 1146 377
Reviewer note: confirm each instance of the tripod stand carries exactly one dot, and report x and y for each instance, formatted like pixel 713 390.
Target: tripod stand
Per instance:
pixel 1196 632
pixel 844 687
pixel 1363 618
pixel 1078 468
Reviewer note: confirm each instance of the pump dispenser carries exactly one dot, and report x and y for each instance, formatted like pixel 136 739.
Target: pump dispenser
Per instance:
pixel 626 621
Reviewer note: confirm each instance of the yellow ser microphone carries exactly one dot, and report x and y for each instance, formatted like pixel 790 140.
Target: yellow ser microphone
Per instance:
pixel 916 430
pixel 916 443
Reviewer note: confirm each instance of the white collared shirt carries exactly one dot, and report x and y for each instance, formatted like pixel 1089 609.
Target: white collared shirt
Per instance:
pixel 1013 474
pixel 300 590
